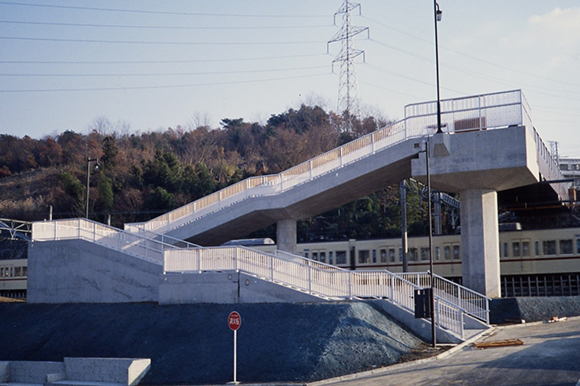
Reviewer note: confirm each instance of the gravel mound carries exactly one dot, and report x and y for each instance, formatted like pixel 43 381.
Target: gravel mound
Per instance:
pixel 192 344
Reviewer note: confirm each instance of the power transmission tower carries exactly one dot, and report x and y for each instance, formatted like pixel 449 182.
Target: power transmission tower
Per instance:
pixel 348 104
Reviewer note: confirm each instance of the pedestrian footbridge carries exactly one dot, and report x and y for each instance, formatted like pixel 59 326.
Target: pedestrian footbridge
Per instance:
pixel 488 145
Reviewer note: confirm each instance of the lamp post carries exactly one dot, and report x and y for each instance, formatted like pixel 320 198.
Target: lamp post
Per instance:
pixel 429 218
pixel 97 164
pixel 438 15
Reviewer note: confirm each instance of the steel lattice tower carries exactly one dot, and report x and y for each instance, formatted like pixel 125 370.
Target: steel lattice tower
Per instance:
pixel 348 103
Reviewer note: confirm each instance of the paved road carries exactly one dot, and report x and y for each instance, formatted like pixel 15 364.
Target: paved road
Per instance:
pixel 550 356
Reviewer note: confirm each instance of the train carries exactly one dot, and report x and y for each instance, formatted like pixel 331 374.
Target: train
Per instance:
pixel 13 277
pixel 13 262
pixel 532 262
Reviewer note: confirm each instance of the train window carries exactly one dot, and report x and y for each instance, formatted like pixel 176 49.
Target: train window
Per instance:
pixel 374 255
pixel 549 247
pixel 505 250
pixel 577 245
pixel 340 257
pixel 412 254
pixel 322 257
pixel 306 254
pixel 315 256
pixel 392 254
pixel 447 252
pixel 364 256
pixel 525 248
pixel 330 257
pixel 424 253
pixel 437 253
pixel 516 249
pixel 383 255
pixel 400 254
pixel 537 247
pixel 456 254
pixel 566 247
pixel 18 271
pixel 24 271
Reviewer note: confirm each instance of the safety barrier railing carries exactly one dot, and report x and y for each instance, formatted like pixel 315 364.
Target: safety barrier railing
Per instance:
pixel 117 239
pixel 480 112
pixel 312 277
pixel 473 303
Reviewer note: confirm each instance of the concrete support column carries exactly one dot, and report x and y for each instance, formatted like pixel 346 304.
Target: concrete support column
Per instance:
pixel 286 235
pixel 480 241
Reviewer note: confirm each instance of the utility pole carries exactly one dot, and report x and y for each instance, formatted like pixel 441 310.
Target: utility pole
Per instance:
pixel 348 104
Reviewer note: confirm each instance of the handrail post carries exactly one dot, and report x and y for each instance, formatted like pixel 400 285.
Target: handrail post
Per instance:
pixel 309 279
pixel 272 267
pixel 461 325
pixel 198 253
pixel 392 288
pixel 236 258
pixel 350 285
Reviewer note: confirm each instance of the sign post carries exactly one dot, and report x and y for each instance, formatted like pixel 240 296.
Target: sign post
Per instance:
pixel 234 322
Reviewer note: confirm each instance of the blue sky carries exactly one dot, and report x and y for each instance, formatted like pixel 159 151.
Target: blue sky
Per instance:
pixel 149 65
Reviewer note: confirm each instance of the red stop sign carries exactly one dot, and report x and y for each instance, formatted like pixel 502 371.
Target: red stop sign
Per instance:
pixel 234 320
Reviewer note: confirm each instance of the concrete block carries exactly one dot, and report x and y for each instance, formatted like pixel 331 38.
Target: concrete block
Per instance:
pixel 4 371
pixel 225 287
pixel 126 371
pixel 33 372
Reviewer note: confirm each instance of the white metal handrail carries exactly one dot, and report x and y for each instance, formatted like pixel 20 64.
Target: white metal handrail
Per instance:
pixel 471 302
pixel 134 244
pixel 316 279
pixel 488 111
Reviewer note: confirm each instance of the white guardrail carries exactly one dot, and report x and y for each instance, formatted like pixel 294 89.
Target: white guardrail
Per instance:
pixel 481 112
pixel 135 244
pixel 471 302
pixel 315 278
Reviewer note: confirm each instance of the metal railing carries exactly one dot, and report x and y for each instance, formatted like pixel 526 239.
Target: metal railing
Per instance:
pixel 133 244
pixel 481 112
pixel 471 302
pixel 314 278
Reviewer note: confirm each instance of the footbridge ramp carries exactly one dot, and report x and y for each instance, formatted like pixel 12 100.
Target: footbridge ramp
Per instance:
pixel 496 135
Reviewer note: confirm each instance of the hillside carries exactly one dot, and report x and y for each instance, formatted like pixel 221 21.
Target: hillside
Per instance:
pixel 143 175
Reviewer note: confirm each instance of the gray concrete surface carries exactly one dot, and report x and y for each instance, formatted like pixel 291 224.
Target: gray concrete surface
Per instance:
pixel 550 356
pixel 78 271
pixel 225 287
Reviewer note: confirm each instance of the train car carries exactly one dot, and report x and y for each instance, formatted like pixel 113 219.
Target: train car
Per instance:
pixel 13 276
pixel 533 262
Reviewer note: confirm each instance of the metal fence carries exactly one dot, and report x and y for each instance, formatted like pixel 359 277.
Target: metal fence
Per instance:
pixel 83 229
pixel 471 302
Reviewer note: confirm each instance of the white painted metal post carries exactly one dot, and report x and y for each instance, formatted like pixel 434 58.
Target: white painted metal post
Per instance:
pixel 235 357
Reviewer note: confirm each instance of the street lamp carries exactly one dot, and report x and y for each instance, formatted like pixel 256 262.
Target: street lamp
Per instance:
pixel 97 165
pixel 438 15
pixel 429 218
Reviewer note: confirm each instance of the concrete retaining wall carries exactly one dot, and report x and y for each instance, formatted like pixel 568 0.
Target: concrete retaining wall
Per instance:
pixel 77 371
pixel 225 287
pixel 78 271
pixel 28 371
